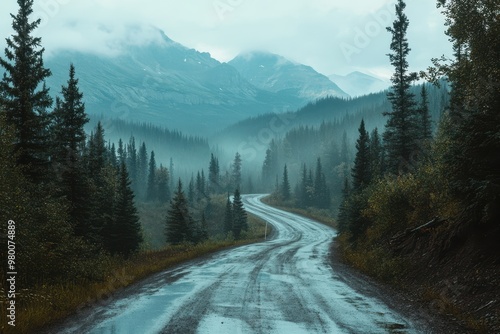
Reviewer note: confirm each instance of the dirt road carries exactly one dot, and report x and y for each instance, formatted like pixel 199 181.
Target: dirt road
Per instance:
pixel 283 285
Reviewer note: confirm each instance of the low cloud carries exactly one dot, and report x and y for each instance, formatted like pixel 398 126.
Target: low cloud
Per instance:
pixel 309 31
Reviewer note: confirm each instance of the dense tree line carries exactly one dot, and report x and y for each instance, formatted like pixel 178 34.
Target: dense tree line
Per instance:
pixel 453 174
pixel 71 200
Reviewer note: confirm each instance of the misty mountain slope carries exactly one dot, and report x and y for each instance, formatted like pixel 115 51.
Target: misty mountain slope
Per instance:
pixel 277 74
pixel 358 84
pixel 167 84
pixel 255 133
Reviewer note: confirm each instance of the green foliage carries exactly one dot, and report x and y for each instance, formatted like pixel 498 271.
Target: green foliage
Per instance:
pixel 361 171
pixel 24 96
pixel 214 175
pixel 473 131
pixel 152 190
pixel 239 215
pixel 236 172
pixel 285 185
pixel 124 236
pixel 401 131
pixel 179 225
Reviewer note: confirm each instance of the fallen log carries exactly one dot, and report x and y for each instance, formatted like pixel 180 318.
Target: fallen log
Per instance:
pixel 435 222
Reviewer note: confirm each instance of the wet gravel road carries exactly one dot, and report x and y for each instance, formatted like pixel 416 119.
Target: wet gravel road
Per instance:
pixel 283 285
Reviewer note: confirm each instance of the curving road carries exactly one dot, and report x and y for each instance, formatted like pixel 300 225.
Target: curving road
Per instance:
pixel 284 285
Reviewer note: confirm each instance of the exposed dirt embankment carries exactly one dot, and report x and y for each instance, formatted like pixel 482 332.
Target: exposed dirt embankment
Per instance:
pixel 455 275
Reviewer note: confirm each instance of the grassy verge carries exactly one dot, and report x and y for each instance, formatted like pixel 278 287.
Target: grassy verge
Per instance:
pixel 322 216
pixel 41 306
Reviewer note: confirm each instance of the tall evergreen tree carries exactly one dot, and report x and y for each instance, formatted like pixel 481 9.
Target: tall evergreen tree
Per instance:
pixel 23 95
pixel 125 235
pixel 424 115
pixel 239 215
pixel 270 167
pixel 214 175
pixel 376 155
pixel 179 224
pixel 171 170
pixel 69 118
pixel 152 191
pixel 97 155
pixel 132 163
pixel 401 131
pixel 236 171
pixel 203 184
pixel 471 156
pixel 142 170
pixel 345 157
pixel 343 215
pixel 113 159
pixel 122 153
pixel 303 193
pixel 321 191
pixel 103 181
pixel 191 191
pixel 162 181
pixel 285 185
pixel 361 171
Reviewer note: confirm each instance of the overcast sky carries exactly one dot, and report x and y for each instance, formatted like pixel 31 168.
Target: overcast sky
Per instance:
pixel 332 36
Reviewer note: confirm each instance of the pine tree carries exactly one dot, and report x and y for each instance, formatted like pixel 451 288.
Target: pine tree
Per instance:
pixel 179 224
pixel 203 184
pixel 97 155
pixel 122 153
pixel 214 175
pixel 23 95
pixel 191 191
pixel 425 116
pixel 361 171
pixel 152 191
pixel 376 156
pixel 236 171
pixel 142 171
pixel 345 157
pixel 321 192
pixel 473 138
pixel 239 215
pixel 270 168
pixel 228 216
pixel 162 181
pixel 171 170
pixel 285 185
pixel 103 179
pixel 401 131
pixel 132 163
pixel 113 159
pixel 303 195
pixel 343 216
pixel 126 233
pixel 69 118
pixel 267 167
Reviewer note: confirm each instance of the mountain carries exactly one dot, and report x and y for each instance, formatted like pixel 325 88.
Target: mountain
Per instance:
pixel 359 84
pixel 167 84
pixel 277 74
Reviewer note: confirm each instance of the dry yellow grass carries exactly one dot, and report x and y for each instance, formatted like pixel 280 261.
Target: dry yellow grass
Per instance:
pixel 43 305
